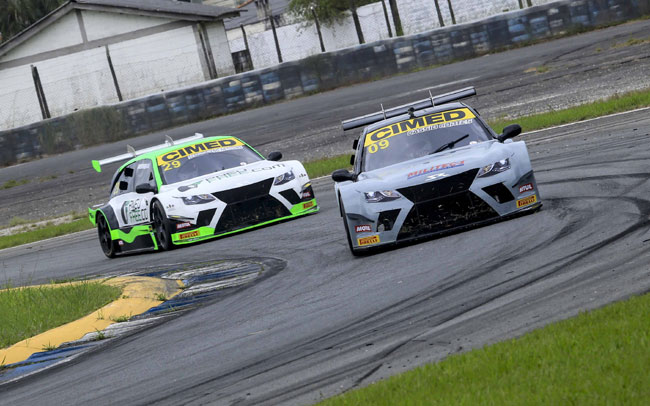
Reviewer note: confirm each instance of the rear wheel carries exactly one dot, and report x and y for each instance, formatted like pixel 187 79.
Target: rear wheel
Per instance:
pixel 161 226
pixel 105 240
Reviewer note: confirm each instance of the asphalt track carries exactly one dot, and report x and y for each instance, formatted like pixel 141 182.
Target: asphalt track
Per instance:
pixel 329 322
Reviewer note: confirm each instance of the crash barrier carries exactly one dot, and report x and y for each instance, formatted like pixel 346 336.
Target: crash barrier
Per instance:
pixel 313 74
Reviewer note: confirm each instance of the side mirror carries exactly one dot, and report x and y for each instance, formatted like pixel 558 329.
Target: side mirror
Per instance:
pixel 274 156
pixel 145 188
pixel 510 131
pixel 342 175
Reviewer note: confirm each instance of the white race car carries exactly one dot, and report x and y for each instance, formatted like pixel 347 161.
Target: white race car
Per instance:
pixel 195 189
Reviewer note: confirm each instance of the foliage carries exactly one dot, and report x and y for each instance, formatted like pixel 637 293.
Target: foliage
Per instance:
pixel 327 11
pixel 16 15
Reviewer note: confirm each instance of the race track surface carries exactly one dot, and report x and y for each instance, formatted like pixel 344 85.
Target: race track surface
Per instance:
pixel 329 322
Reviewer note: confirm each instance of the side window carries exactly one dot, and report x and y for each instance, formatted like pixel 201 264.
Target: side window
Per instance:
pixel 124 182
pixel 144 173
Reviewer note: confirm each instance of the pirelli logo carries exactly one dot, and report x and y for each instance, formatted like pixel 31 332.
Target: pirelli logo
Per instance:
pixel 436 120
pixel 198 148
pixel 191 234
pixel 526 201
pixel 368 240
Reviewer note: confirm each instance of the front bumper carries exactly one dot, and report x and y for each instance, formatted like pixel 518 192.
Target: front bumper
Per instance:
pixel 439 207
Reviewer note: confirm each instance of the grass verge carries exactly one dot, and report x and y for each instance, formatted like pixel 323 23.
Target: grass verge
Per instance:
pixel 29 311
pixel 615 104
pixel 597 358
pixel 44 233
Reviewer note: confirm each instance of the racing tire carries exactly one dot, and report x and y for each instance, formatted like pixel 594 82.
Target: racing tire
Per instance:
pixel 161 227
pixel 354 252
pixel 105 240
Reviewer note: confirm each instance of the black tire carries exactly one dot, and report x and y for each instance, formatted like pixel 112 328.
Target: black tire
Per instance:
pixel 354 252
pixel 161 227
pixel 105 240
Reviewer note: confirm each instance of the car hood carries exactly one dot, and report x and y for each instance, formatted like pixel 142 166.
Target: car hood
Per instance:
pixel 229 178
pixel 435 166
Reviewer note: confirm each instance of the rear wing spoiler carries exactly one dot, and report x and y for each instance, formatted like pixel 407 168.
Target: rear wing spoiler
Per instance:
pixel 418 105
pixel 132 153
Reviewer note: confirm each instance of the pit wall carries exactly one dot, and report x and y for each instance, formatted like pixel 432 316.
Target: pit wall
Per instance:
pixel 309 75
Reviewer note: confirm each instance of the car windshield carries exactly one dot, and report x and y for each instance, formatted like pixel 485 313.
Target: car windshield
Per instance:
pixel 420 136
pixel 203 158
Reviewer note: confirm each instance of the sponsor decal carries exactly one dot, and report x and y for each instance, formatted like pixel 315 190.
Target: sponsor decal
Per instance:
pixel 191 234
pixel 180 226
pixel 135 211
pixel 120 242
pixel 526 201
pixel 198 148
pixel 368 240
pixel 307 205
pixel 436 168
pixel 421 124
pixel 526 188
pixel 306 194
pixel 364 228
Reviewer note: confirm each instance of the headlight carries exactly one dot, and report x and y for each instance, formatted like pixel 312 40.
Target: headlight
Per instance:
pixel 198 199
pixel 284 178
pixel 381 196
pixel 495 168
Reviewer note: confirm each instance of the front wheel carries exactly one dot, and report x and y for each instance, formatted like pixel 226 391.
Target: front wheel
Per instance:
pixel 161 226
pixel 347 230
pixel 105 240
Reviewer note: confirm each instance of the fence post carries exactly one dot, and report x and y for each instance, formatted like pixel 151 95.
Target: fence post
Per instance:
pixel 442 23
pixel 45 111
pixel 390 31
pixel 357 23
pixel 451 11
pixel 396 20
pixel 110 66
pixel 320 36
pixel 275 37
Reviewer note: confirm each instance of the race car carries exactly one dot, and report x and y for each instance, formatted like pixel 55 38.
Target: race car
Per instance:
pixel 195 189
pixel 431 167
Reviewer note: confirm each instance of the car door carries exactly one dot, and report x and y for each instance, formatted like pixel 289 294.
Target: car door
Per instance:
pixel 135 208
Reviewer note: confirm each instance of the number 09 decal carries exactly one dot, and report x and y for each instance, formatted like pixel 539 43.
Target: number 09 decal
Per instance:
pixel 382 144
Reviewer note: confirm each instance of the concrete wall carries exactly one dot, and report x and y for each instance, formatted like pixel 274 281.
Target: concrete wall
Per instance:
pixel 316 73
pixel 149 55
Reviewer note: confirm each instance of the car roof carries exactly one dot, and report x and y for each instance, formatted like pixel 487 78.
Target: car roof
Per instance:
pixel 418 113
pixel 153 154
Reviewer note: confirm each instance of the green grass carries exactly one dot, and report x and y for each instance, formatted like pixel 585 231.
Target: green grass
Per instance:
pixel 325 166
pixel 13 183
pixel 597 358
pixel 27 311
pixel 44 233
pixel 615 104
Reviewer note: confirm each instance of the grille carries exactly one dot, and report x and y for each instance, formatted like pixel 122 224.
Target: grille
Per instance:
pixel 443 205
pixel 205 217
pixel 387 219
pixel 248 206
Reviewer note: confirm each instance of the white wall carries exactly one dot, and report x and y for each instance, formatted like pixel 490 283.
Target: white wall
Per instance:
pixel 157 62
pixel 77 81
pixel 100 24
pixel 62 33
pixel 221 51
pixel 300 40
pixel 18 101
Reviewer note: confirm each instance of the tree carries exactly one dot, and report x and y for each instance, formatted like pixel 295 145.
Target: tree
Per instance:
pixel 16 15
pixel 329 11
